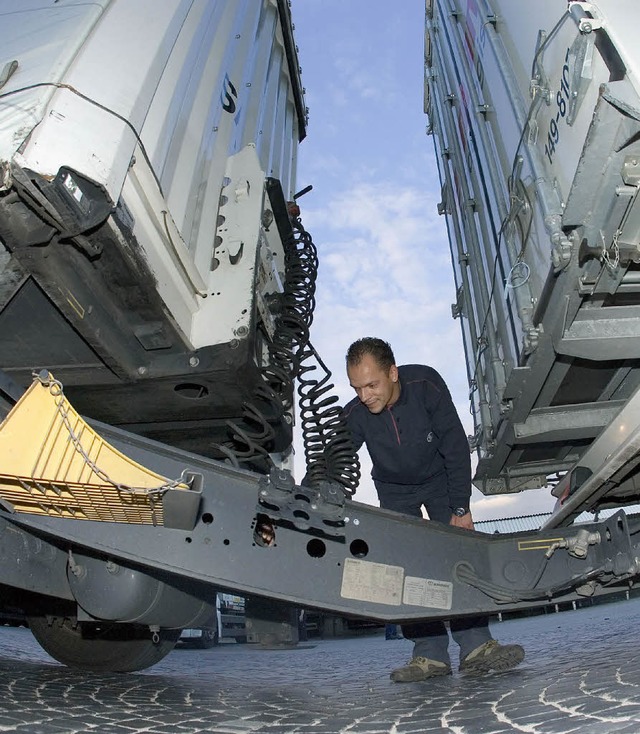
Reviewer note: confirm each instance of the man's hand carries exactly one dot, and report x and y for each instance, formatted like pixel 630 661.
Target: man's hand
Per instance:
pixel 265 531
pixel 465 522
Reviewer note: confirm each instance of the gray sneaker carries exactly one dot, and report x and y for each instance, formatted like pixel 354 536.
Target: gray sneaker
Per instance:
pixel 419 668
pixel 492 656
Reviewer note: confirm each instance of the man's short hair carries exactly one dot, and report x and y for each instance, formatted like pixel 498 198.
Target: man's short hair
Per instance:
pixel 379 349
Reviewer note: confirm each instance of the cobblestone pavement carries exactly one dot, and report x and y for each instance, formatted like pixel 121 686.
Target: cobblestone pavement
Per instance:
pixel 581 674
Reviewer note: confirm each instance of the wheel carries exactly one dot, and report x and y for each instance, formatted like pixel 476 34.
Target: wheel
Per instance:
pixel 117 648
pixel 208 639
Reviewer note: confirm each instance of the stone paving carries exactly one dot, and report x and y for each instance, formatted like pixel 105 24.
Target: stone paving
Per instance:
pixel 581 674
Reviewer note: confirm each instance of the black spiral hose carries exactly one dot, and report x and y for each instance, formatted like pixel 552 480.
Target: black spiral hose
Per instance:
pixel 328 448
pixel 329 452
pixel 249 441
pixel 297 304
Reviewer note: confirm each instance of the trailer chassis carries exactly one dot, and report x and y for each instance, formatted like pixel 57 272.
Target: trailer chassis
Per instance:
pixel 329 553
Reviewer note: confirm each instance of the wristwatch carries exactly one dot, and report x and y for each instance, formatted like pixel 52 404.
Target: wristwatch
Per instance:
pixel 460 511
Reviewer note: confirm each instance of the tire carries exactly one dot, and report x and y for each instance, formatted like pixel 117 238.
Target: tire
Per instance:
pixel 115 648
pixel 208 639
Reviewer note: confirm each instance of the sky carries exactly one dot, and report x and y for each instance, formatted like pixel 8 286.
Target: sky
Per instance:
pixel 385 267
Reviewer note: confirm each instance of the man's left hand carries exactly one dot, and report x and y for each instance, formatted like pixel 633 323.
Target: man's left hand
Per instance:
pixel 465 522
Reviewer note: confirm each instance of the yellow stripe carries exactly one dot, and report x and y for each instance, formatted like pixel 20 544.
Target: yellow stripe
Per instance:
pixel 73 302
pixel 542 544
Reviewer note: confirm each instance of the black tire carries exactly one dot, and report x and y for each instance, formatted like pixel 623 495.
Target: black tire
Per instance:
pixel 115 648
pixel 208 639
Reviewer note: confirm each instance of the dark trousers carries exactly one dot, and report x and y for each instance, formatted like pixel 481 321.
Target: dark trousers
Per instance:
pixel 431 639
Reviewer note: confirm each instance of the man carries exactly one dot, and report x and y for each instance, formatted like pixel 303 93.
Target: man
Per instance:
pixel 420 456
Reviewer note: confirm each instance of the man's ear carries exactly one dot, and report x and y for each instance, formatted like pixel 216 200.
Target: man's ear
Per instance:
pixel 393 373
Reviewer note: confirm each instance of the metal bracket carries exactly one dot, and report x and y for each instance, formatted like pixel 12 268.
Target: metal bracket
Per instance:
pixel 318 508
pixel 457 308
pixel 484 109
pixel 580 64
pixel 531 338
pixel 561 250
pixel 585 23
pixel 540 80
pixel 631 170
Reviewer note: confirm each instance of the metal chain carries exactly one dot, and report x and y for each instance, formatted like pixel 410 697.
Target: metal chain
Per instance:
pixel 56 390
pixel 611 264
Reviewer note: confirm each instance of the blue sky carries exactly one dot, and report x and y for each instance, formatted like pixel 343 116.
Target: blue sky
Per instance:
pixel 384 255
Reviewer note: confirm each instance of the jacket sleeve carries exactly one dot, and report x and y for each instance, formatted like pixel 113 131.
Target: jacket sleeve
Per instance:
pixel 349 416
pixel 454 449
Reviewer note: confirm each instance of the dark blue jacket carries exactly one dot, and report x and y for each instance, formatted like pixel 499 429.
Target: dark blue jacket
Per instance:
pixel 418 438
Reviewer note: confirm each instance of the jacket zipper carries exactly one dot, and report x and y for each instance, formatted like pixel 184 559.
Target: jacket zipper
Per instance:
pixel 395 427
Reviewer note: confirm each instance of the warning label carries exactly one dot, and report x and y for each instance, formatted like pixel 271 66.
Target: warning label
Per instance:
pixel 427 593
pixel 377 582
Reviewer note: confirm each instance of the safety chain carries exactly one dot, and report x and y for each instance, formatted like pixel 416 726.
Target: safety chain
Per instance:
pixel 609 262
pixel 154 493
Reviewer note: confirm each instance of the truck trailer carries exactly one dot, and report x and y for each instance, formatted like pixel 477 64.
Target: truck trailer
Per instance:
pixel 535 118
pixel 156 297
pixel 140 241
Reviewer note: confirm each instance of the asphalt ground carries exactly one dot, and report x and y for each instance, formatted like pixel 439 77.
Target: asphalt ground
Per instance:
pixel 581 674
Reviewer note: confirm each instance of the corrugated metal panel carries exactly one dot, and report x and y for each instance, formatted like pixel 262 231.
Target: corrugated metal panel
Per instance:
pixel 43 37
pixel 196 80
pixel 534 522
pixel 234 89
pixel 511 524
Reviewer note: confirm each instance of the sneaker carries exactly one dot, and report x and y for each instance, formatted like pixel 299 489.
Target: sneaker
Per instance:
pixel 492 656
pixel 419 668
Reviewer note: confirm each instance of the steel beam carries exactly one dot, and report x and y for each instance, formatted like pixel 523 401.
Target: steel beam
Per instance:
pixel 339 556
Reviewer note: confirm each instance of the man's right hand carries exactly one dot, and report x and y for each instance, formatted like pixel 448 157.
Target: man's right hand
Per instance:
pixel 465 522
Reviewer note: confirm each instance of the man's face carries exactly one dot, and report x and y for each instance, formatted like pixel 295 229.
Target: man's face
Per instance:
pixel 375 387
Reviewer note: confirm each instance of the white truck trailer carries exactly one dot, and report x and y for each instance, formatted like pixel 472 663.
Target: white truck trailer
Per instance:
pixel 535 114
pixel 142 256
